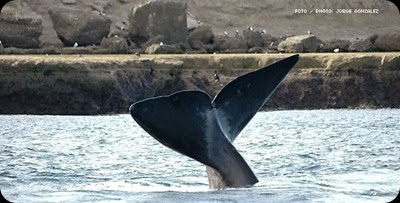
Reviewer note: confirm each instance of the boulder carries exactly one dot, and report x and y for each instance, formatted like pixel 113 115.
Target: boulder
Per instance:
pixel 164 49
pixel 256 50
pixel 20 26
pixel 362 45
pixel 270 41
pixel 342 45
pixel 301 43
pixel 166 18
pixel 84 26
pixel 192 22
pixel 388 42
pixel 236 44
pixel 69 2
pixel 253 38
pixel 154 40
pixel 200 37
pixel 203 33
pixel 115 45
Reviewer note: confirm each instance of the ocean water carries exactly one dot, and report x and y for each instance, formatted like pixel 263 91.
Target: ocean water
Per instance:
pixel 298 156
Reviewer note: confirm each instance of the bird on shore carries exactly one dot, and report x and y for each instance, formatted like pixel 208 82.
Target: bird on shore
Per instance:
pixel 250 28
pixel 263 32
pixel 309 32
pixel 102 13
pixel 161 43
pixel 216 76
pixel 237 32
pixel 336 50
pixel 76 44
pixel 137 54
pixel 272 44
pixel 225 33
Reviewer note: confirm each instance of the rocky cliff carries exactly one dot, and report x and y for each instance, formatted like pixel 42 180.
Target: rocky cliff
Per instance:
pixel 99 84
pixel 277 17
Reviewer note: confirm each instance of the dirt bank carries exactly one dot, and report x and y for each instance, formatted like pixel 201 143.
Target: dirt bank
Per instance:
pixel 98 84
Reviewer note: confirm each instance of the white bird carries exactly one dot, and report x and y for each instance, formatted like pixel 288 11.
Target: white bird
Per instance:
pixel 226 33
pixel 198 22
pixel 309 32
pixel 1 42
pixel 272 44
pixel 102 13
pixel 76 44
pixel 263 31
pixel 250 28
pixel 336 50
pixel 122 28
pixel 237 32
pixel 161 43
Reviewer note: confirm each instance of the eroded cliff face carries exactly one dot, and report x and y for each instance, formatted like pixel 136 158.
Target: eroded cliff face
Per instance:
pixel 277 17
pixel 110 83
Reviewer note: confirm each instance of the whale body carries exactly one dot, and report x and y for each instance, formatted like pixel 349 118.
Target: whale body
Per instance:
pixel 193 124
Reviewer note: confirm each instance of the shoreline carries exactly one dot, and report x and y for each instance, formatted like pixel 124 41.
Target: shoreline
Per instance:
pixel 108 84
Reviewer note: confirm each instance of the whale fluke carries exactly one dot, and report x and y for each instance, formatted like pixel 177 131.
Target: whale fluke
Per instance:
pixel 186 122
pixel 191 124
pixel 238 102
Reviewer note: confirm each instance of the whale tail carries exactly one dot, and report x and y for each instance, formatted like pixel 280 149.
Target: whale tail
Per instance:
pixel 186 122
pixel 191 124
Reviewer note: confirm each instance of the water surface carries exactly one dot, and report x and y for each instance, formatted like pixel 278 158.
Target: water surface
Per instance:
pixel 298 156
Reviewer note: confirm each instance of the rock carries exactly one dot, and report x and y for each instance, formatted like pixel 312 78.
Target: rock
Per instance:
pixel 200 37
pixel 253 38
pixel 200 47
pixel 362 45
pixel 301 43
pixel 69 2
pixel 203 33
pixel 340 44
pixel 80 25
pixel 20 26
pixel 154 40
pixel 197 45
pixel 164 49
pixel 120 30
pixel 388 42
pixel 230 43
pixel 192 22
pixel 256 50
pixel 115 45
pixel 270 41
pixel 166 18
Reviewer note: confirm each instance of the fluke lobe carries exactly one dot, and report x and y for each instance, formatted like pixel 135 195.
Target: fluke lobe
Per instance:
pixel 192 124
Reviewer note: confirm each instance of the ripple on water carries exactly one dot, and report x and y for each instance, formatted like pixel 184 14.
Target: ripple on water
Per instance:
pixel 298 156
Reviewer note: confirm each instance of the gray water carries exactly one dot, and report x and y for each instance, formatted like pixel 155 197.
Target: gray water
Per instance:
pixel 298 156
